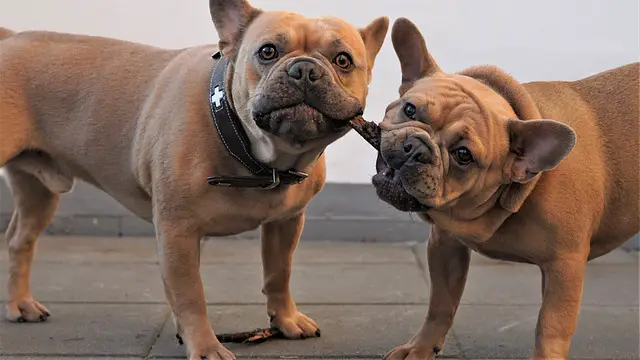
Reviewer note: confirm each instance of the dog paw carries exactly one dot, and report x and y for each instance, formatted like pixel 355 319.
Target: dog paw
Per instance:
pixel 296 325
pixel 212 350
pixel 412 352
pixel 26 310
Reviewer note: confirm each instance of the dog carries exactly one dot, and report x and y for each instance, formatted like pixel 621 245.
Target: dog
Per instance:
pixel 544 173
pixel 208 140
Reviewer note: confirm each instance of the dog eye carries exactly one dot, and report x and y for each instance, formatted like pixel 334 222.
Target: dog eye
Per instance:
pixel 410 110
pixel 268 52
pixel 463 156
pixel 343 60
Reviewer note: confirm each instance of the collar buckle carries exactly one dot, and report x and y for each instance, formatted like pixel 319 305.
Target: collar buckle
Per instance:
pixel 298 176
pixel 275 180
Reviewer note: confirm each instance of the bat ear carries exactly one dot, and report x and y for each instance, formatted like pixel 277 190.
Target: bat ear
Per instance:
pixel 537 146
pixel 411 48
pixel 231 18
pixel 373 36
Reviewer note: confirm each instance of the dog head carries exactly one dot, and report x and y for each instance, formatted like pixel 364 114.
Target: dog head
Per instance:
pixel 458 143
pixel 296 81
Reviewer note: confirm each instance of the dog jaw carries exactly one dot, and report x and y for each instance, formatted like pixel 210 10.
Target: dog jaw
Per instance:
pixel 389 188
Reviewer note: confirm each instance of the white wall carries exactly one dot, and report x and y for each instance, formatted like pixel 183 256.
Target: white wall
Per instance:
pixel 533 40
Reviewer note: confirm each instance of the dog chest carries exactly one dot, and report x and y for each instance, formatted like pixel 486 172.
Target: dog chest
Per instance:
pixel 232 211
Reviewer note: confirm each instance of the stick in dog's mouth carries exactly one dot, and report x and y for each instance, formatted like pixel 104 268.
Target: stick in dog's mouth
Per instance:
pixel 369 130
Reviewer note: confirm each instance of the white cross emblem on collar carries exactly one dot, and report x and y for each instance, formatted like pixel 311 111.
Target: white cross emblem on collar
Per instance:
pixel 217 97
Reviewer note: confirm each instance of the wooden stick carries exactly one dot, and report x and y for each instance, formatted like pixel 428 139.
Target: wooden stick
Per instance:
pixel 248 337
pixel 369 130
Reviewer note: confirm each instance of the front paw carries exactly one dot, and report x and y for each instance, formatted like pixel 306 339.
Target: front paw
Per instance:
pixel 26 310
pixel 413 352
pixel 295 325
pixel 206 347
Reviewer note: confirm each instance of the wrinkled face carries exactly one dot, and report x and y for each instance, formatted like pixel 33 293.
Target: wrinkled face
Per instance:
pixel 452 146
pixel 301 79
pixel 442 146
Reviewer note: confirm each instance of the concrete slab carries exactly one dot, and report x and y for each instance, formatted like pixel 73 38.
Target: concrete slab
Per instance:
pixel 320 283
pixel 87 330
pixel 59 282
pixel 347 331
pixel 218 251
pixel 227 283
pixel 519 284
pixel 507 332
pixel 85 249
pixel 214 250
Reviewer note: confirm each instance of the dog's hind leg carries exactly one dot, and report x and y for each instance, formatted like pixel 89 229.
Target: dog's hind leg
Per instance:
pixel 35 204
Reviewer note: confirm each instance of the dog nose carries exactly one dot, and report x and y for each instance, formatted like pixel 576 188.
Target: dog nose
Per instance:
pixel 304 70
pixel 413 152
pixel 416 150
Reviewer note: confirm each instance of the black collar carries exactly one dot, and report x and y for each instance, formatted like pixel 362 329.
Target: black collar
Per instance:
pixel 236 140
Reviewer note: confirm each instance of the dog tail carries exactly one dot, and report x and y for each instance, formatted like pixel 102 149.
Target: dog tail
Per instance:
pixel 6 33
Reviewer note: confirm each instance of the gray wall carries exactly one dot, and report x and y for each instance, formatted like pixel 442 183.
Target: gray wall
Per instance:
pixel 349 212
pixel 346 212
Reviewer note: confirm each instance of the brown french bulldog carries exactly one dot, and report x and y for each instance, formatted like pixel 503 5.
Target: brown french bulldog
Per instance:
pixel 138 122
pixel 543 173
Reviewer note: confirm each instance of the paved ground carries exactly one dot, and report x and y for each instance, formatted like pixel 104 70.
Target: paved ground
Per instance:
pixel 107 302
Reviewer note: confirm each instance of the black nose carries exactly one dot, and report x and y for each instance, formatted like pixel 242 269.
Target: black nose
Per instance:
pixel 304 70
pixel 412 151
pixel 417 150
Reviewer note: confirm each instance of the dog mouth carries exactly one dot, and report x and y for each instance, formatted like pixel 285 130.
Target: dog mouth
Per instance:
pixel 389 188
pixel 299 123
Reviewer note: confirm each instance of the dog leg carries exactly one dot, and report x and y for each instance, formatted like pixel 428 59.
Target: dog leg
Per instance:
pixel 34 207
pixel 179 248
pixel 279 241
pixel 448 267
pixel 558 315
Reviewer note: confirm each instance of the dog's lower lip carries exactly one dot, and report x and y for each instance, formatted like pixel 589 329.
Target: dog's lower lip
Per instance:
pixel 388 177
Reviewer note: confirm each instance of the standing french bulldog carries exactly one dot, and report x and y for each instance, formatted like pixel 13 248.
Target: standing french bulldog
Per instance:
pixel 543 173
pixel 194 144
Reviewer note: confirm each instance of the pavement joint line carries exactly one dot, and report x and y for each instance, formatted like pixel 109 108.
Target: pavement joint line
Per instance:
pixel 156 334
pixel 423 267
pixel 457 344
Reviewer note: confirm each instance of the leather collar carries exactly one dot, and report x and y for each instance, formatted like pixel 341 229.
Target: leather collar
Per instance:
pixel 236 141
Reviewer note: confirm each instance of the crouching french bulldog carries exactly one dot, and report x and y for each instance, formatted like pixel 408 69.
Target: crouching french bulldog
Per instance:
pixel 544 173
pixel 194 143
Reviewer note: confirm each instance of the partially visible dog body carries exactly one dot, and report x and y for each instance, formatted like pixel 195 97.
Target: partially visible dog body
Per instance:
pixel 136 122
pixel 543 173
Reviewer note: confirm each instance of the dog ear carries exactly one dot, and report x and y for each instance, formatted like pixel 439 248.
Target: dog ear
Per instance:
pixel 536 146
pixel 373 36
pixel 231 18
pixel 411 49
